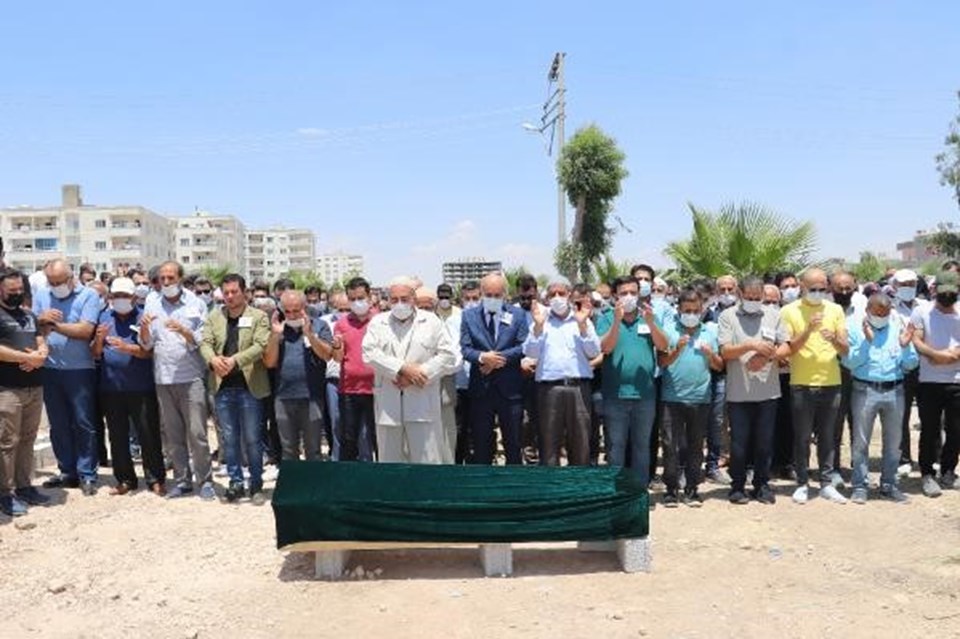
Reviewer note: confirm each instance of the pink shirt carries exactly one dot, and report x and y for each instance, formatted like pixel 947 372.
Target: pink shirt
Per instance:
pixel 356 378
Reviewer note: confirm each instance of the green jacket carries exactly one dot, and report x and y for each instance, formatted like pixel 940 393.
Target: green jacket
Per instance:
pixel 254 334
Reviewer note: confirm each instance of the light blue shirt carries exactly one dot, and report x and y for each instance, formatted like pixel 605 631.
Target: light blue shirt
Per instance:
pixel 176 361
pixel 82 305
pixel 561 352
pixel 687 380
pixel 883 359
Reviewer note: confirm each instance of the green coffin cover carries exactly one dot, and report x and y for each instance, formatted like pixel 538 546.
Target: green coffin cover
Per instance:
pixel 341 501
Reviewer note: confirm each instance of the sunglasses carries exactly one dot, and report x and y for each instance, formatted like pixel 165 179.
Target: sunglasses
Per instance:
pixel 816 290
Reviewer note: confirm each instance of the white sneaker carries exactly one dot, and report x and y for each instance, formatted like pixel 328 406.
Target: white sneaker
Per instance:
pixel 801 495
pixel 270 473
pixel 904 469
pixel 222 472
pixel 830 493
pixel 836 480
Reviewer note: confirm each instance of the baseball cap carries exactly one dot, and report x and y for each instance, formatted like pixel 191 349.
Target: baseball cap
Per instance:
pixel 123 285
pixel 947 282
pixel 905 275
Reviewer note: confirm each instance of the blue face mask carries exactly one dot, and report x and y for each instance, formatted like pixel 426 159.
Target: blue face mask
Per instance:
pixel 645 289
pixel 690 320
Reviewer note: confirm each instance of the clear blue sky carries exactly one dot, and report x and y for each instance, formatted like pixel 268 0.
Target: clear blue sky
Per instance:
pixel 393 129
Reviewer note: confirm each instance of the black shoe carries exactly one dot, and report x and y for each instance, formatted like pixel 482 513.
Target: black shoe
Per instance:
pixel 88 488
pixel 234 492
pixel 31 496
pixel 670 499
pixel 61 481
pixel 764 495
pixel 738 497
pixel 692 498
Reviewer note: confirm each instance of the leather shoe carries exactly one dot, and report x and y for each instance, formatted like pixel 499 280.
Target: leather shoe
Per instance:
pixel 158 489
pixel 61 481
pixel 121 489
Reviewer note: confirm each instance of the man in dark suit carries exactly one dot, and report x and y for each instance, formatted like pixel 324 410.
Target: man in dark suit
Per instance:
pixel 491 339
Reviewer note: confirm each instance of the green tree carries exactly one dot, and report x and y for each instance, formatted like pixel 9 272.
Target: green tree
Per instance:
pixel 870 268
pixel 608 269
pixel 590 169
pixel 303 279
pixel 948 161
pixel 216 273
pixel 742 239
pixel 946 241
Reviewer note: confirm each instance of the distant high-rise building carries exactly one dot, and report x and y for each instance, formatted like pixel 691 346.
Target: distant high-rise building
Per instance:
pixel 209 240
pixel 471 268
pixel 336 267
pixel 110 238
pixel 275 252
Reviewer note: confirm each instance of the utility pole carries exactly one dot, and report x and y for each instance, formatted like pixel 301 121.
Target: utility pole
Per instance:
pixel 557 102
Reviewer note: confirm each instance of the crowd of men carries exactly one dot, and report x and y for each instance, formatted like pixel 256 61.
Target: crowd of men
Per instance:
pixel 636 372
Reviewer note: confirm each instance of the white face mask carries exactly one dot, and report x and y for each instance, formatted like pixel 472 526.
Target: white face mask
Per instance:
pixel 206 297
pixel 790 294
pixel 816 297
pixel 661 297
pixel 61 292
pixel 122 306
pixel 690 320
pixel 727 299
pixel 360 307
pixel 752 307
pixel 141 291
pixel 471 304
pixel 171 291
pixel 559 305
pixel 878 322
pixel 402 311
pixel 629 303
pixel 492 304
pixel 294 323
pixel 907 293
pixel 443 304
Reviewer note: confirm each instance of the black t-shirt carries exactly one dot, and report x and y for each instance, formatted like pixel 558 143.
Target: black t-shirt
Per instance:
pixel 18 330
pixel 234 378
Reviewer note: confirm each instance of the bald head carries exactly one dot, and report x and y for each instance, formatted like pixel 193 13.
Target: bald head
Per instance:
pixel 814 277
pixel 493 285
pixel 58 269
pixel 403 286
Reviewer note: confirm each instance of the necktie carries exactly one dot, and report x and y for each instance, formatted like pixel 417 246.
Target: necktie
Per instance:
pixel 491 327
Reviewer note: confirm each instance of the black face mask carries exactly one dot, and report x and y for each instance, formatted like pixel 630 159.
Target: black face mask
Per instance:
pixel 946 299
pixel 843 299
pixel 14 301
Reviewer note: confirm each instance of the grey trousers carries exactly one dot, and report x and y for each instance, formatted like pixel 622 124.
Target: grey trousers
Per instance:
pixel 299 419
pixel 183 413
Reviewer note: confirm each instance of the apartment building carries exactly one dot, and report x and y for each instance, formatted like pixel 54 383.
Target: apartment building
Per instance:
pixel 336 267
pixel 109 237
pixel 275 252
pixel 468 269
pixel 207 239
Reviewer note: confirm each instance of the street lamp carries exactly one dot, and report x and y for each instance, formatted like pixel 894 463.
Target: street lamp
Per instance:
pixel 553 119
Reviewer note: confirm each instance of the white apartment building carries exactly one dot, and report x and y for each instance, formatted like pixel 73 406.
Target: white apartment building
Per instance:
pixel 208 239
pixel 336 267
pixel 275 252
pixel 109 237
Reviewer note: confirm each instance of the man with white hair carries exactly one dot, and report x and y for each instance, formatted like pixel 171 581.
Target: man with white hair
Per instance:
pixel 409 350
pixel 563 342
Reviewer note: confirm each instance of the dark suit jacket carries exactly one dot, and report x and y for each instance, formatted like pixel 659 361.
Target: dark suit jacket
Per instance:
pixel 475 339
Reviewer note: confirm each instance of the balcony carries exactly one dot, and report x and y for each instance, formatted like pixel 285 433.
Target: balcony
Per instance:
pixel 123 226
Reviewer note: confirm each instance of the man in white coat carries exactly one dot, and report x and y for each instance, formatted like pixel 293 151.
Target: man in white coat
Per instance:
pixel 409 350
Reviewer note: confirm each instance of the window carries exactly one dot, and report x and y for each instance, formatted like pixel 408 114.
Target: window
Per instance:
pixel 100 246
pixel 186 259
pixel 46 244
pixel 100 224
pixel 184 241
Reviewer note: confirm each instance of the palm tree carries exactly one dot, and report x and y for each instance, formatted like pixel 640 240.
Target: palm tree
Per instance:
pixel 608 269
pixel 743 239
pixel 216 273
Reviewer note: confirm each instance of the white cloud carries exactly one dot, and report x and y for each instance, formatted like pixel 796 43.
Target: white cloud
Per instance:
pixel 462 237
pixel 312 132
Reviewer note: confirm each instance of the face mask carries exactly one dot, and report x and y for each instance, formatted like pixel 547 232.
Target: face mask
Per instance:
pixel 690 320
pixel 322 307
pixel 671 300
pixel 658 297
pixel 14 301
pixel 170 291
pixel 907 294
pixel 878 322
pixel 443 304
pixel 790 294
pixel 843 299
pixel 559 305
pixel 471 304
pixel 295 324
pixel 141 291
pixel 359 307
pixel 752 307
pixel 402 311
pixel 206 297
pixel 645 289
pixel 122 306
pixel 946 299
pixel 816 298
pixel 727 299
pixel 629 303
pixel 60 292
pixel 492 304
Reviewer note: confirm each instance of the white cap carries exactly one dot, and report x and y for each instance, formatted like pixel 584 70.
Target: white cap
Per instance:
pixel 123 285
pixel 659 281
pixel 905 275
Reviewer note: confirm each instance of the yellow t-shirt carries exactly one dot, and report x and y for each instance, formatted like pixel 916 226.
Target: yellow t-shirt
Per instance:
pixel 815 364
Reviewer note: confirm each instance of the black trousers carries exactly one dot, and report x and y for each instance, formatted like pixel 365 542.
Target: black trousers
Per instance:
pixel 911 382
pixel 655 431
pixel 463 454
pixel 939 411
pixel 844 413
pixel 508 413
pixel 564 418
pixel 684 428
pixel 358 428
pixel 783 433
pixel 140 410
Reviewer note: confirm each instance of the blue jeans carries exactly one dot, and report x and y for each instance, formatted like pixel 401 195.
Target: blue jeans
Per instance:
pixel 332 417
pixel 70 399
pixel 867 403
pixel 752 425
pixel 718 413
pixel 629 420
pixel 240 414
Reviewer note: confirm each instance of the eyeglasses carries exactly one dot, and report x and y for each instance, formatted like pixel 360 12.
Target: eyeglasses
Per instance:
pixel 816 290
pixel 528 298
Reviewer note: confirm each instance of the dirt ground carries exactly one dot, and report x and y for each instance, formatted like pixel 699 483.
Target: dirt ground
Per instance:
pixel 141 566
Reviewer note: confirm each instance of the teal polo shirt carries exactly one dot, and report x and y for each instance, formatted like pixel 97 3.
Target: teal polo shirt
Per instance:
pixel 628 371
pixel 687 380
